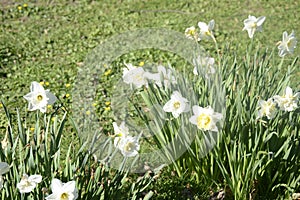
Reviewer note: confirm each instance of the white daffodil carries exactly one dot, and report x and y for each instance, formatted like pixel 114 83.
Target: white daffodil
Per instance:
pixel 205 65
pixel 119 133
pixel 39 98
pixel 288 44
pixel 176 105
pixel 163 76
pixel 63 191
pixel 267 108
pixel 191 33
pixel 4 168
pixel 253 24
pixel 288 102
pixel 206 30
pixel 205 118
pixel 27 184
pixel 129 146
pixel 134 75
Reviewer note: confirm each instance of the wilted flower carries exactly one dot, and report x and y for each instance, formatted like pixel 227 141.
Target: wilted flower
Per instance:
pixel 63 191
pixel 253 24
pixel 206 30
pixel 39 98
pixel 288 102
pixel 191 33
pixel 267 108
pixel 205 65
pixel 4 168
pixel 177 104
pixel 119 132
pixel 129 146
pixel 27 184
pixel 288 44
pixel 134 75
pixel 205 118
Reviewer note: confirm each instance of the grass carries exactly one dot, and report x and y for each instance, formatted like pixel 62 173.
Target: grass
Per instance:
pixel 49 41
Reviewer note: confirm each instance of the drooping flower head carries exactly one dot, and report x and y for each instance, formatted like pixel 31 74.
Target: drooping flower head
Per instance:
pixel 176 105
pixel 288 44
pixel 39 98
pixel 27 184
pixel 206 30
pixel 205 118
pixel 267 108
pixel 63 191
pixel 288 101
pixel 253 24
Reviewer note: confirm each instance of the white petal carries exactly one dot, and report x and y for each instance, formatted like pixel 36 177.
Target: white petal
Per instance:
pixel 4 168
pixel 69 186
pixel 261 20
pixel 51 97
pixel 35 178
pixel 35 87
pixel 288 91
pixel 56 185
pixel 202 25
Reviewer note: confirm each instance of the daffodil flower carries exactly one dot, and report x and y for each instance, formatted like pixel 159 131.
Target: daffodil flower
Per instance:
pixel 205 118
pixel 39 98
pixel 27 184
pixel 289 101
pixel 176 105
pixel 129 146
pixel 206 30
pixel 63 191
pixel 253 24
pixel 134 75
pixel 4 168
pixel 267 108
pixel 191 33
pixel 119 133
pixel 288 44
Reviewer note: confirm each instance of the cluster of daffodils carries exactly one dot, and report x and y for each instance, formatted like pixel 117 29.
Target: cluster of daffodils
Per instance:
pixel 138 77
pixel 39 98
pixel 251 25
pixel 127 144
pixel 287 102
pixel 205 119
pixel 205 31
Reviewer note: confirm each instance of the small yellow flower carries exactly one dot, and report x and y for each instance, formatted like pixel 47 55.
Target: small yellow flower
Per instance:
pixel 105 65
pixel 49 106
pixel 107 103
pixel 19 7
pixel 53 119
pixel 68 85
pixel 47 83
pixel 1 105
pixel 32 129
pixel 107 72
pixel 141 63
pixel 107 108
pixel 42 83
pixel 88 112
pixel 68 95
pixel 94 104
pixel 25 5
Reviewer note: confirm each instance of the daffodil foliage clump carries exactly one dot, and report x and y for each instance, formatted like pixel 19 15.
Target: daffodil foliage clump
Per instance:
pixel 235 115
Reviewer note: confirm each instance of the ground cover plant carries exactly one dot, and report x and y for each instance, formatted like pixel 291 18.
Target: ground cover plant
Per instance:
pixel 224 119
